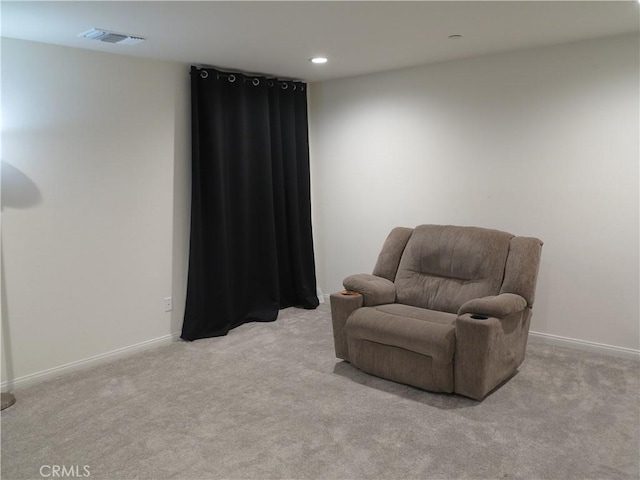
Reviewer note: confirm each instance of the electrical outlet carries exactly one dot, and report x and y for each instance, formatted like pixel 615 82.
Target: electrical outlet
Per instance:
pixel 168 304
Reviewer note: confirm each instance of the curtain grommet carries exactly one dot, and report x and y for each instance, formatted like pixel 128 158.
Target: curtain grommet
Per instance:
pixel 284 86
pixel 231 78
pixel 204 74
pixel 255 82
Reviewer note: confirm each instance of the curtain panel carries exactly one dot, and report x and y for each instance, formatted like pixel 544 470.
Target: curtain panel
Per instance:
pixel 251 247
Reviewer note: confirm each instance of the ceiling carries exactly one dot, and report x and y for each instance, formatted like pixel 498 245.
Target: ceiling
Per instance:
pixel 278 38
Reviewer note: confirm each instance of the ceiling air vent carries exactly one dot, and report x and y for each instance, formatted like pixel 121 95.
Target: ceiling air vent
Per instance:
pixel 111 37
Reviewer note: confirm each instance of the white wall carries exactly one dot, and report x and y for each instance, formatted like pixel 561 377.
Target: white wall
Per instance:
pixel 543 143
pixel 93 146
pixel 96 181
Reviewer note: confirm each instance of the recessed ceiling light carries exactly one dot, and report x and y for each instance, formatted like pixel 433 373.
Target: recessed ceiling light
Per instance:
pixel 318 60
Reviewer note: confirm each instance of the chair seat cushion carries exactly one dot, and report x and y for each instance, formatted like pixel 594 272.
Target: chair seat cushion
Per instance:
pixel 418 330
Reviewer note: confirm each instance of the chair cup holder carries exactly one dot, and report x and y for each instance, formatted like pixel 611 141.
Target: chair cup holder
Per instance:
pixel 477 316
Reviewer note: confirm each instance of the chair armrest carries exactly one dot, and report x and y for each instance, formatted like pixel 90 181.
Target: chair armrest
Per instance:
pixel 498 306
pixel 375 290
pixel 341 307
pixel 488 350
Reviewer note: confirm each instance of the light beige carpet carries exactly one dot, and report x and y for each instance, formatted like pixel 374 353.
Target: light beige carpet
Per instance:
pixel 271 401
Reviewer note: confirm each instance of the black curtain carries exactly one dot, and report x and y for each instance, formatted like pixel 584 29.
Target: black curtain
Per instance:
pixel 251 250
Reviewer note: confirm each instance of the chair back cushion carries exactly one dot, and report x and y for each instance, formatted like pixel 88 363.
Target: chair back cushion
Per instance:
pixel 391 253
pixel 444 266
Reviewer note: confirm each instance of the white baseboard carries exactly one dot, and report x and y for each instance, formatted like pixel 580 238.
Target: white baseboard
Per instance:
pixel 620 352
pixel 32 378
pixel 27 380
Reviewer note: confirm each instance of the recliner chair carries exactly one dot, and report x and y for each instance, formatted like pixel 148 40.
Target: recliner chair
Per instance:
pixel 447 309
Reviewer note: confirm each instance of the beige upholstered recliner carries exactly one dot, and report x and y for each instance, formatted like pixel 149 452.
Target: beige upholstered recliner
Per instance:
pixel 446 309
